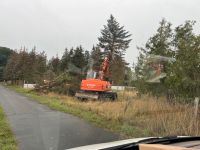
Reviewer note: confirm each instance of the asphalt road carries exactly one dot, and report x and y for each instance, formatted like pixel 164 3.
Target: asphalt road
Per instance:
pixel 37 127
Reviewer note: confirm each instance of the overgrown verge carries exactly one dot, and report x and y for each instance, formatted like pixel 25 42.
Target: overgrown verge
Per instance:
pixel 129 115
pixel 7 140
pixel 73 106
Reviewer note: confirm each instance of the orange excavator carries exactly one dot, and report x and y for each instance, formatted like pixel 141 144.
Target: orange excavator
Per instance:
pixel 94 87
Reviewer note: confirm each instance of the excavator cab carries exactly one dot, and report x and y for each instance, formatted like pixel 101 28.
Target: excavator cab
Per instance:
pixel 91 74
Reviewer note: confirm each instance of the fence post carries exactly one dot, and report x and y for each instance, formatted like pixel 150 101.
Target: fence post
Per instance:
pixel 127 105
pixel 196 106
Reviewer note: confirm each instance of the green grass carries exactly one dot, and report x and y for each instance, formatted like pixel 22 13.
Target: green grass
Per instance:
pixel 7 140
pixel 55 103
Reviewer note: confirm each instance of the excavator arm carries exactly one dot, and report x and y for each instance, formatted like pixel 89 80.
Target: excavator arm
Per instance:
pixel 104 69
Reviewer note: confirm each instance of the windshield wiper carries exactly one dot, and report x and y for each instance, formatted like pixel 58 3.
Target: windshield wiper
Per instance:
pixel 157 140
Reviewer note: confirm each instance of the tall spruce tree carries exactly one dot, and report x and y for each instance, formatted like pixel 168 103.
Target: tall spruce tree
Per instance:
pixel 96 56
pixel 114 38
pixel 161 43
pixel 54 64
pixel 78 58
pixel 114 41
pixel 11 69
pixel 64 60
pixel 86 57
pixel 4 56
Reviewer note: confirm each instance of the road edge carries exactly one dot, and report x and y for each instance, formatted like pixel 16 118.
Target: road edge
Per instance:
pixel 7 137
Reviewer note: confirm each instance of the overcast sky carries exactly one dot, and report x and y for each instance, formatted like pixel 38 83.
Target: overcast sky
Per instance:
pixel 53 25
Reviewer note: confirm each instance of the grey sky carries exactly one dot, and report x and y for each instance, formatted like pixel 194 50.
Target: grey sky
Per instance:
pixel 52 25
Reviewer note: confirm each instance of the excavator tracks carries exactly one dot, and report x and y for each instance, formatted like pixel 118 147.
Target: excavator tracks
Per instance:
pixel 84 95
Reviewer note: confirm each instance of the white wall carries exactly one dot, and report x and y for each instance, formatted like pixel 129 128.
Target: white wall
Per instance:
pixel 29 86
pixel 119 88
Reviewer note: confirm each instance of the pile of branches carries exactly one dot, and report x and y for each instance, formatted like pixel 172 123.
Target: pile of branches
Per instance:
pixel 61 84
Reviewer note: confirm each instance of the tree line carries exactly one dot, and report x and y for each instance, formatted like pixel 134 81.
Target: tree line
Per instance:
pixel 33 67
pixel 180 43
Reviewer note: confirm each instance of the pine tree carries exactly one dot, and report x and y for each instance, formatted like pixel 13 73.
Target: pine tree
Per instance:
pixel 71 55
pixel 32 72
pixel 117 70
pixel 10 69
pixel 4 56
pixel 78 58
pixel 86 57
pixel 64 60
pixel 114 39
pixel 41 63
pixel 184 74
pixel 54 65
pixel 96 56
pixel 161 43
pixel 23 70
pixel 139 68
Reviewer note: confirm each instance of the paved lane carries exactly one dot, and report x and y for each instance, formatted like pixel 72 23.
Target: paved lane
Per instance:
pixel 39 128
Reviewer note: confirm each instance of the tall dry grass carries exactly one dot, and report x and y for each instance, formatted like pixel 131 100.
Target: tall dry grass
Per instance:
pixel 156 116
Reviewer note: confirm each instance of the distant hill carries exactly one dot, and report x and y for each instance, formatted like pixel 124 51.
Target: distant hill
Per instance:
pixel 4 56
